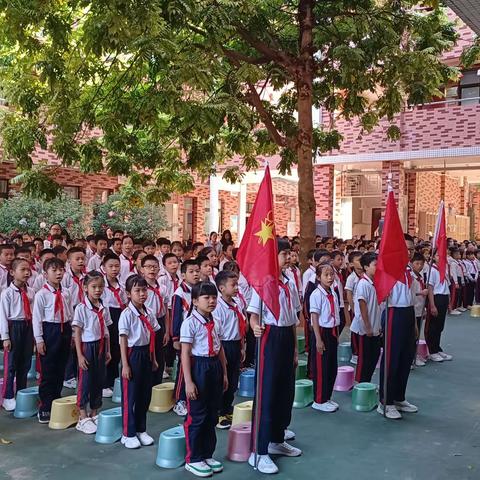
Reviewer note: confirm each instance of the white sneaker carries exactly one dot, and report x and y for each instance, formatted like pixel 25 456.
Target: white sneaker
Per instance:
pixel 455 312
pixel 9 404
pixel 86 425
pixel 95 419
pixel 435 357
pixel 107 393
pixel 406 407
pixel 283 449
pixel 200 469
pixel 335 404
pixel 289 435
pixel 130 442
pixel 392 412
pixel 215 465
pixel 326 407
pixel 354 359
pixel 264 463
pixel 165 375
pixel 419 362
pixel 145 438
pixel 180 409
pixel 446 356
pixel 71 384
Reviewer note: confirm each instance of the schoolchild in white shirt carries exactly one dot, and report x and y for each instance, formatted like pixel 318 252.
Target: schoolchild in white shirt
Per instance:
pixel 101 247
pixel 350 285
pixel 127 264
pixel 90 324
pixel 420 293
pixel 45 255
pixel 7 254
pixel 227 254
pixel 470 277
pixel 337 263
pixel 309 273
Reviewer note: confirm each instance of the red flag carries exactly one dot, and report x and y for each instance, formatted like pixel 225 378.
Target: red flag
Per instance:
pixel 440 241
pixel 257 254
pixel 393 256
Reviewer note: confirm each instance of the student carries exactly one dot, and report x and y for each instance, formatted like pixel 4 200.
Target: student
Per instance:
pixel 438 297
pixel 181 304
pixel 187 252
pixel 337 263
pixel 294 272
pixel 196 247
pixel 325 318
pixel 212 255
pixel 127 264
pixel 456 271
pixel 116 246
pixel 309 274
pixel 206 269
pixel 156 303
pixel 45 255
pixel 163 247
pixel 16 303
pixel 367 321
pixel 205 371
pixel 7 254
pixel 420 293
pixel 470 277
pixel 90 325
pixel 149 247
pixel 177 250
pixel 91 248
pixel 52 314
pixel 26 254
pixel 227 254
pixel 231 322
pixel 115 299
pixel 277 364
pixel 54 231
pixel 56 241
pixel 350 285
pixel 477 285
pixel 136 328
pixel 101 247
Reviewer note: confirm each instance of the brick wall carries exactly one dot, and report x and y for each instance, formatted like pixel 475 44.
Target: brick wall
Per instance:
pixel 323 178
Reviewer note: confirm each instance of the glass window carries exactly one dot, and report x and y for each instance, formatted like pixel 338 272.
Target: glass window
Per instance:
pixel 100 195
pixel 187 218
pixel 3 188
pixel 469 88
pixel 71 191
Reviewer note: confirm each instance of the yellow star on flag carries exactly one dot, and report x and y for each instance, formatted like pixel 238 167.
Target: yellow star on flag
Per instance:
pixel 266 232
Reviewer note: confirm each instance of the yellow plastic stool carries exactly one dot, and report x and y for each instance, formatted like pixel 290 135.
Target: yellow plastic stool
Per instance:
pixel 242 412
pixel 64 413
pixel 475 311
pixel 162 398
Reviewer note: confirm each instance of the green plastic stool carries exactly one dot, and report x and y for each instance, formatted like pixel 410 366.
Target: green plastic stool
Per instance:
pixel 27 403
pixel 301 343
pixel 301 372
pixel 364 397
pixel 303 393
pixel 171 448
pixel 174 369
pixel 109 428
pixel 117 391
pixel 344 352
pixel 32 373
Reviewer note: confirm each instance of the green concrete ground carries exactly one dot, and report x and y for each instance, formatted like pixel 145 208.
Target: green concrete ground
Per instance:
pixel 441 442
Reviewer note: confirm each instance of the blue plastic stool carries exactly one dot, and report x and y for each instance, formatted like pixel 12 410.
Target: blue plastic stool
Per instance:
pixel 344 352
pixel 117 392
pixel 109 426
pixel 32 373
pixel 27 403
pixel 246 385
pixel 171 448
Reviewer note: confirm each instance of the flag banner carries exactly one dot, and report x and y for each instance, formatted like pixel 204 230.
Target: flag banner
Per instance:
pixel 440 241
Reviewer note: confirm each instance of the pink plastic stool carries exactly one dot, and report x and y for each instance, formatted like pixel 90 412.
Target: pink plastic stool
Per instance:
pixel 422 349
pixel 239 442
pixel 344 381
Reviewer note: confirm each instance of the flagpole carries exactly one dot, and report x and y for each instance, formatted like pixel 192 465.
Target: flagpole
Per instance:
pixel 385 356
pixel 257 387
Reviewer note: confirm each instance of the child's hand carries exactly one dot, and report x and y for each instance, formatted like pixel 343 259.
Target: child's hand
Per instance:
pixel 108 358
pixel 176 345
pixel 320 347
pixel 369 332
pixel 243 355
pixel 258 330
pixel 126 372
pixel 191 391
pixel 166 339
pixel 295 358
pixel 424 292
pixel 225 383
pixel 83 362
pixel 41 349
pixel 154 365
pixel 7 345
pixel 433 310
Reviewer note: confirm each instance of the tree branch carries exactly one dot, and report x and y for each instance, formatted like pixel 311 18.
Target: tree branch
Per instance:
pixel 233 55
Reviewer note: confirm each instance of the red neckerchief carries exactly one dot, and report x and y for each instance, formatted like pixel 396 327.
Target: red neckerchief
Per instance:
pixel 295 277
pixel 419 278
pixel 209 325
pixel 156 291
pixel 131 263
pixel 242 326
pixel 59 307
pixel 116 294
pixel 101 320
pixel 185 304
pixel 331 301
pixel 284 287
pixel 175 282
pixel 150 329
pixel 79 282
pixel 27 309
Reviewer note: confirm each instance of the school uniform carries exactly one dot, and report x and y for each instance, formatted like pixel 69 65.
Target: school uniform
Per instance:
pixel 351 284
pixel 89 253
pixel 338 289
pixel 94 263
pixel 94 322
pixel 39 282
pixel 368 347
pixel 52 314
pixel 471 273
pixel 434 325
pixel 401 340
pixel 309 275
pixel 477 283
pixel 33 277
pixel 460 281
pixel 324 365
pixel 294 274
pixel 5 277
pixel 231 321
pixel 115 299
pixel 139 328
pixel 16 326
pixel 277 382
pixel 127 267
pixel 307 327
pixel 245 293
pixel 419 301
pixel 205 336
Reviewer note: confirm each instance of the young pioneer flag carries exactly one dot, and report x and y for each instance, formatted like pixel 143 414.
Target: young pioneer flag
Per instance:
pixel 440 241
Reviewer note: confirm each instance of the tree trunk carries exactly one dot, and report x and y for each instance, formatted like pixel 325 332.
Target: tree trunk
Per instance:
pixel 304 85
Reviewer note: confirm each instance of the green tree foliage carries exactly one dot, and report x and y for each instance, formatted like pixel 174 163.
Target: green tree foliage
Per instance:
pixel 26 214
pixel 142 221
pixel 174 87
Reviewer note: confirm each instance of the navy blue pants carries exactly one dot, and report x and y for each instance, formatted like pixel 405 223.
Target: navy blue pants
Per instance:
pixel 368 354
pixel 112 367
pixel 157 377
pixel 200 437
pixel 277 386
pixel 71 369
pixel 91 381
pixel 434 325
pixel 401 352
pixel 469 293
pixel 17 361
pixel 137 392
pixel 53 363
pixel 354 343
pixel 233 354
pixel 343 320
pixel 324 365
pixel 179 380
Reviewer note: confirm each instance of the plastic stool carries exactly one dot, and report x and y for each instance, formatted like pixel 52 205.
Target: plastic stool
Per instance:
pixel 344 381
pixel 64 413
pixel 344 352
pixel 27 403
pixel 174 369
pixel 171 448
pixel 301 343
pixel 379 361
pixel 117 392
pixel 301 372
pixel 109 426
pixel 303 393
pixel 364 397
pixel 422 349
pixel 242 412
pixel 32 373
pixel 246 385
pixel 162 398
pixel 239 438
pixel 475 311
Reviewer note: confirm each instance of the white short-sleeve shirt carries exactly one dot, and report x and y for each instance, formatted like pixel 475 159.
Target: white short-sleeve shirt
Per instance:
pixel 12 308
pixel 228 320
pixel 130 325
pixel 439 288
pixel 194 331
pixel 401 294
pixel 365 291
pixel 88 317
pixel 320 304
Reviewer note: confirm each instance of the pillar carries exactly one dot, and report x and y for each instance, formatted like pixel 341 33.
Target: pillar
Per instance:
pixel 242 211
pixel 213 218
pixel 412 202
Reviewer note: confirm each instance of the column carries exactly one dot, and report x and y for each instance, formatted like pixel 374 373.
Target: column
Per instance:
pixel 213 218
pixel 242 212
pixel 412 202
